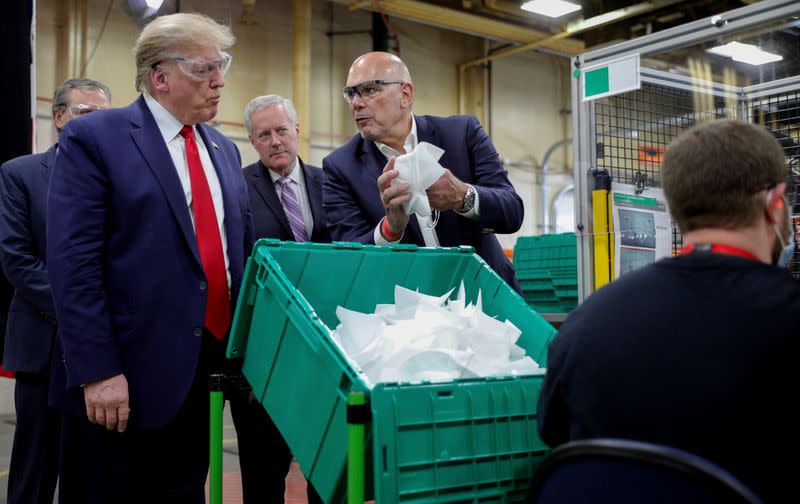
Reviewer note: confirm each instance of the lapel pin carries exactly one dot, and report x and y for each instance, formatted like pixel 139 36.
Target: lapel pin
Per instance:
pixel 215 145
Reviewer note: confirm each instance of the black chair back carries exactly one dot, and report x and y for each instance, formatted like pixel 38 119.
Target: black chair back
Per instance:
pixel 617 471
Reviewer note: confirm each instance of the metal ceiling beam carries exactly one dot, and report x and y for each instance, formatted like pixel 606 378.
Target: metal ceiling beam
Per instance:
pixel 575 27
pixel 758 15
pixel 465 22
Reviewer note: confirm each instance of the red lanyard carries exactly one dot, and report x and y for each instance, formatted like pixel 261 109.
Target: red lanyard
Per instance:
pixel 718 248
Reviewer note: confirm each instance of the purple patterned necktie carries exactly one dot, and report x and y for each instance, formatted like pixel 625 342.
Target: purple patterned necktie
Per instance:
pixel 291 205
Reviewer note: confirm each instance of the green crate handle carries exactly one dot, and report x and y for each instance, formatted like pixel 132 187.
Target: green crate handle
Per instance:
pixel 263 272
pixel 357 415
pixel 347 245
pixel 215 439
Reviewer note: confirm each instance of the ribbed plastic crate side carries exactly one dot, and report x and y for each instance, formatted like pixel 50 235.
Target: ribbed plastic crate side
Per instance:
pixel 242 318
pixel 289 358
pixel 298 287
pixel 454 442
pixel 302 396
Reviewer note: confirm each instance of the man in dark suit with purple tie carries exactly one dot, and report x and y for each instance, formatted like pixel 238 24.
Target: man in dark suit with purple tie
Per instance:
pixel 286 201
pixel 148 228
pixel 474 197
pixel 31 330
pixel 271 123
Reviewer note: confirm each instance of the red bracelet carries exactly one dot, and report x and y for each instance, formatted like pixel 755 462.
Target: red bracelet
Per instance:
pixel 387 233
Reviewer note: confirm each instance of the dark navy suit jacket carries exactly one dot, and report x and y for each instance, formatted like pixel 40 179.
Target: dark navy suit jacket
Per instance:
pixel 353 205
pixel 268 214
pixel 128 285
pixel 31 327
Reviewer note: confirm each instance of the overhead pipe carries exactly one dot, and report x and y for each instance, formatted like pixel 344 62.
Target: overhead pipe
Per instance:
pixel 575 28
pixel 464 22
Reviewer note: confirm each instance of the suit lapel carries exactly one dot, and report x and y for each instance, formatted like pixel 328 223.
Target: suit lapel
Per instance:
pixel 372 158
pixel 426 132
pixel 314 191
pixel 266 189
pixel 151 145
pixel 48 161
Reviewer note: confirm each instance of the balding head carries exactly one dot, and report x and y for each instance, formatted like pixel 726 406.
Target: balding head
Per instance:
pixel 382 109
pixel 378 66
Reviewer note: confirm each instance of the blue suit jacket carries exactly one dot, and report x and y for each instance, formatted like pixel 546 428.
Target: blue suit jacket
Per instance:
pixel 31 327
pixel 128 285
pixel 268 214
pixel 353 205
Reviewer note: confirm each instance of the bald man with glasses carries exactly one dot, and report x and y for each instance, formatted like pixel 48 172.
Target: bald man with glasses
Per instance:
pixel 473 198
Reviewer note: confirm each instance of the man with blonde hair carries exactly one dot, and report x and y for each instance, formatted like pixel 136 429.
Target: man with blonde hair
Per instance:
pixel 148 230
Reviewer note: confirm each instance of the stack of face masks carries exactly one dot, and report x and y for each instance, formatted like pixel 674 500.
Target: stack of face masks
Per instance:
pixel 426 338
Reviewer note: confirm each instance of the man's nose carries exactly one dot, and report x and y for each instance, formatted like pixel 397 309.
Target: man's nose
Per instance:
pixel 217 79
pixel 358 101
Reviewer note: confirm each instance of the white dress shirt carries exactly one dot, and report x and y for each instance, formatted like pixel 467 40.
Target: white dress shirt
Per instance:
pixel 298 182
pixel 428 234
pixel 169 127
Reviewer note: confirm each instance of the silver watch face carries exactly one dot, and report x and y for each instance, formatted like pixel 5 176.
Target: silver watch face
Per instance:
pixel 469 200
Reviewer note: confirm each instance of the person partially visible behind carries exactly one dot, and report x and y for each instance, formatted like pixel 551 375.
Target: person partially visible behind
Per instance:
pixel 148 228
pixel 286 201
pixel 698 351
pixel 31 329
pixel 474 197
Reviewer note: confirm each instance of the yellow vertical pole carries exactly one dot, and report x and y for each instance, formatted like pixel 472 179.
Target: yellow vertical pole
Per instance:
pixel 301 73
pixel 603 238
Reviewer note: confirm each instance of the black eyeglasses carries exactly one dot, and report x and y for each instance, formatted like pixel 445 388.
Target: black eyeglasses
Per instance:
pixel 366 89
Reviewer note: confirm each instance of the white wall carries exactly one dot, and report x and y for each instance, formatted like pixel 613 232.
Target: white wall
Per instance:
pixel 527 90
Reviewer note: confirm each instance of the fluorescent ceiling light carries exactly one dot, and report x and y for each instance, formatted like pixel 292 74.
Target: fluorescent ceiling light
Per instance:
pixel 551 8
pixel 745 53
pixel 758 58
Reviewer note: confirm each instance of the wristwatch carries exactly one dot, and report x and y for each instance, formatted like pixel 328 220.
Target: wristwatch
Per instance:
pixel 469 200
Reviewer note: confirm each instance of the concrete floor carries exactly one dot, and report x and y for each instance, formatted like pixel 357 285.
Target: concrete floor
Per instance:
pixel 231 483
pixel 6 439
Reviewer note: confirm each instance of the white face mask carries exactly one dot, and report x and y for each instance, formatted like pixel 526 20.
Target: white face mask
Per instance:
pixel 787 249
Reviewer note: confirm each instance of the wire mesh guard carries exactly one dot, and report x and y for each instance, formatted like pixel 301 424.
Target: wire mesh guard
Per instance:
pixel 780 114
pixel 632 132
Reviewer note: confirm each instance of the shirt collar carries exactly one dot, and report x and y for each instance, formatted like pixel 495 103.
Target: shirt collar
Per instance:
pixel 295 174
pixel 409 145
pixel 168 125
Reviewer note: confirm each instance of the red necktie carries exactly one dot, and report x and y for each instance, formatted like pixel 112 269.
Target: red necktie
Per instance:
pixel 218 303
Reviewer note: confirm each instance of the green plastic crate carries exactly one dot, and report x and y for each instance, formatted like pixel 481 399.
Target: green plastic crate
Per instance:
pixel 547 268
pixel 464 441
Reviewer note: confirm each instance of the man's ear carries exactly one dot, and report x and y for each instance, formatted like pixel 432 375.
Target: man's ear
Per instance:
pixel 408 95
pixel 776 207
pixel 159 79
pixel 59 118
